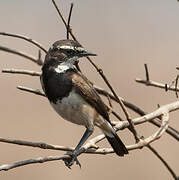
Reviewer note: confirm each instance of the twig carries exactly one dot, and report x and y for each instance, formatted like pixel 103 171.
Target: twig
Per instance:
pixel 25 38
pixel 22 54
pixel 171 131
pixel 148 82
pixel 69 18
pixel 156 84
pixel 164 162
pixel 7 167
pixel 176 84
pixel 37 91
pixel 63 19
pixel 41 145
pixel 147 72
pixel 21 71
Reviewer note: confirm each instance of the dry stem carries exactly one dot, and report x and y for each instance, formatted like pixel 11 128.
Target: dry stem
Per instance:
pixel 22 54
pixel 26 39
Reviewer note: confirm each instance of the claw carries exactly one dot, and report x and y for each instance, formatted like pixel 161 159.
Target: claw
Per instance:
pixel 70 161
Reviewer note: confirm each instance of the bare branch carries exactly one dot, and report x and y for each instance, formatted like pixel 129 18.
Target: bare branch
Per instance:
pixel 22 54
pixel 147 72
pixel 7 167
pixel 41 145
pixel 176 85
pixel 164 162
pixel 37 92
pixel 21 71
pixel 156 84
pixel 63 19
pixel 69 18
pixel 24 38
pixel 59 13
pixel 171 131
pixel 148 82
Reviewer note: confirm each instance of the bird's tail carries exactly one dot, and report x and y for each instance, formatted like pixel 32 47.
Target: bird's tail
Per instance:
pixel 114 140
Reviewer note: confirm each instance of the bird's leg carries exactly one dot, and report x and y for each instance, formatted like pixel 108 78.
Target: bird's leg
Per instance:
pixel 77 151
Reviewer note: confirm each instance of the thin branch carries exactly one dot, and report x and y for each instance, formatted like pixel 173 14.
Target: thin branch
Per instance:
pixel 24 38
pixel 171 131
pixel 59 13
pixel 41 145
pixel 37 91
pixel 164 162
pixel 69 18
pixel 147 72
pixel 7 167
pixel 63 19
pixel 148 82
pixel 22 54
pixel 21 71
pixel 156 84
pixel 176 85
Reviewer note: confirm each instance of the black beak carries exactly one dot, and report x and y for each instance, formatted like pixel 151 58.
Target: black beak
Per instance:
pixel 87 53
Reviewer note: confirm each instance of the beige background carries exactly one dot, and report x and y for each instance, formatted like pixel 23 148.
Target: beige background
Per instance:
pixel 125 35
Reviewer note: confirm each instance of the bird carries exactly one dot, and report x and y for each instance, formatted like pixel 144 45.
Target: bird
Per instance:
pixel 73 96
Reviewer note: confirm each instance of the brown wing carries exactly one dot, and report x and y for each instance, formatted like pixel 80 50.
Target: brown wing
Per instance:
pixel 84 87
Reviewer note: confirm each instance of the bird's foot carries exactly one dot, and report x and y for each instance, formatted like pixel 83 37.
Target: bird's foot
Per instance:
pixel 70 160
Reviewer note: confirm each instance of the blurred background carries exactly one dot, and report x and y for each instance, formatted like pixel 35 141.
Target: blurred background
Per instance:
pixel 125 35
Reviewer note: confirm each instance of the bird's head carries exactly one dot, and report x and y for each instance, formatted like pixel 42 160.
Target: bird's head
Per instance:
pixel 67 51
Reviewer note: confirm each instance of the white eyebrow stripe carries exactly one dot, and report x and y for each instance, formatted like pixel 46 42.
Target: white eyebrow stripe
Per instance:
pixel 65 47
pixel 71 48
pixel 79 49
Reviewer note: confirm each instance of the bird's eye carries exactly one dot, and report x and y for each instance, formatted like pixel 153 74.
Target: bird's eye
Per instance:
pixel 69 51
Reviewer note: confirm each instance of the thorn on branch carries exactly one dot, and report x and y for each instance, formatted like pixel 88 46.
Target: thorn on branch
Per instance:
pixel 39 60
pixel 176 84
pixel 147 73
pixel 166 87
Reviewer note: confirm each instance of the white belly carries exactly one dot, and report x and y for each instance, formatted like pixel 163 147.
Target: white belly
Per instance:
pixel 74 109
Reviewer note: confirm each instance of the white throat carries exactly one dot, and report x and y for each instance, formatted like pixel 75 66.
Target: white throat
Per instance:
pixel 63 67
pixel 69 64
